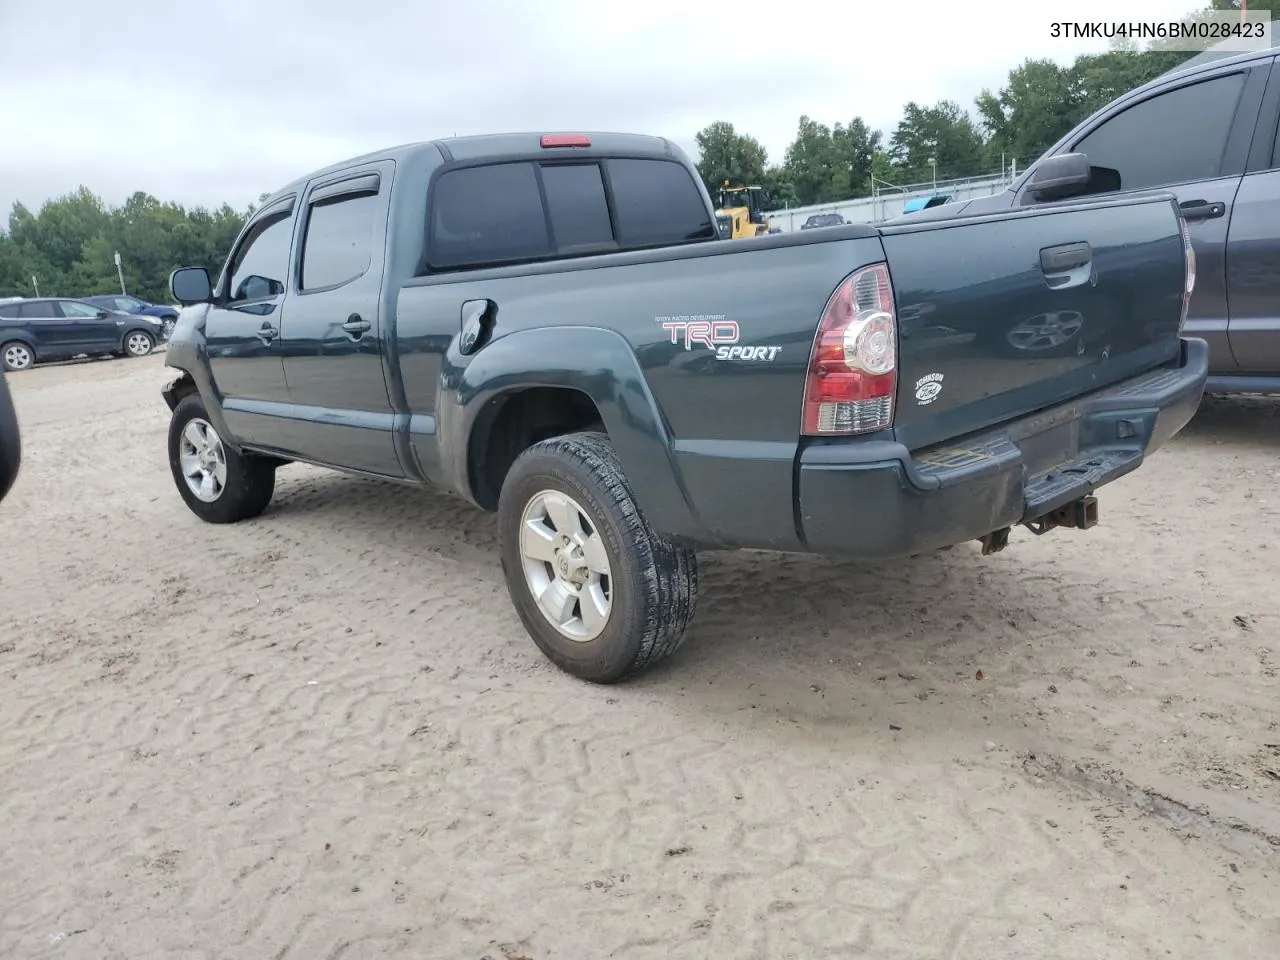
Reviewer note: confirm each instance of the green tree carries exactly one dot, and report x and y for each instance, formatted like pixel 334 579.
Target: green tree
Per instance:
pixel 724 154
pixel 943 132
pixel 69 245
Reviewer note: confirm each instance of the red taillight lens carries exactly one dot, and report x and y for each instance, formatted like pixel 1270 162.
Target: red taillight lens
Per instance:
pixel 1189 259
pixel 852 373
pixel 565 140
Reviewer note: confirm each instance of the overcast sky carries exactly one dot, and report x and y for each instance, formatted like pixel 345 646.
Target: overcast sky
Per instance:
pixel 202 102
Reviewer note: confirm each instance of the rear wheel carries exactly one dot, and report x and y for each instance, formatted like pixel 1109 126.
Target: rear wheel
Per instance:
pixel 601 594
pixel 16 356
pixel 218 484
pixel 138 343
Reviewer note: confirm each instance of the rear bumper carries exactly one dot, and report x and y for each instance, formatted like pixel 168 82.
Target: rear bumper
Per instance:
pixel 876 500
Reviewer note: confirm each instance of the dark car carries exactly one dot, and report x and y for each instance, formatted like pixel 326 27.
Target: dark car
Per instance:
pixel 823 220
pixel 55 328
pixel 1208 135
pixel 122 303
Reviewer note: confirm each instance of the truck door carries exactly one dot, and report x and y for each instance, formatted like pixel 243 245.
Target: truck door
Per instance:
pixel 242 328
pixel 1191 138
pixel 335 326
pixel 1253 250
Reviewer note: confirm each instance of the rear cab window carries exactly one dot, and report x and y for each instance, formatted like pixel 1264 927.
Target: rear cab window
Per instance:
pixel 508 212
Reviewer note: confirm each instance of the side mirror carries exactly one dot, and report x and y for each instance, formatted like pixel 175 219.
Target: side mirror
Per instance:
pixel 191 285
pixel 255 287
pixel 102 314
pixel 10 442
pixel 1065 175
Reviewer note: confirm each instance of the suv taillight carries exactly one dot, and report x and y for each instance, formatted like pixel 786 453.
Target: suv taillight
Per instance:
pixel 1189 259
pixel 852 372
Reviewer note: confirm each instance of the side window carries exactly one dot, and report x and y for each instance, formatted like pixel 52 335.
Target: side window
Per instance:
pixel 262 261
pixel 338 246
pixel 1170 138
pixel 9 311
pixel 577 207
pixel 43 310
pixel 489 214
pixel 78 311
pixel 656 203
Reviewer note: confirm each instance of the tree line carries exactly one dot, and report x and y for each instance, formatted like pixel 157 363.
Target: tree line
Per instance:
pixel 1039 102
pixel 68 246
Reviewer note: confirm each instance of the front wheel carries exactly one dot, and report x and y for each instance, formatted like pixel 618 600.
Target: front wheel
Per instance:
pixel 601 594
pixel 16 356
pixel 138 343
pixel 218 484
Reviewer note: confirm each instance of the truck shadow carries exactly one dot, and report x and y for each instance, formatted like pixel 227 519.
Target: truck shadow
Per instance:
pixel 1235 419
pixel 807 636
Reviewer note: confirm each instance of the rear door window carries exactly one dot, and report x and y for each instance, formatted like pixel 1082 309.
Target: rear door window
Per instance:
pixel 657 203
pixel 9 310
pixel 45 310
pixel 338 246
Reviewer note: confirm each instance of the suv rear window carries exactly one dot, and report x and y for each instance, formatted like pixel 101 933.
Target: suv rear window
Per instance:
pixel 523 211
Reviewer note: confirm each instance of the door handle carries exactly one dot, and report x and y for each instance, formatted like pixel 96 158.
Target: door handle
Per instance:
pixel 1201 209
pixel 267 333
pixel 356 326
pixel 1067 264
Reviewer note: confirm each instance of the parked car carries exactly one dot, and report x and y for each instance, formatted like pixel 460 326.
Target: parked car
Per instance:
pixel 926 203
pixel 1208 135
pixel 823 220
pixel 548 328
pixel 121 303
pixel 55 328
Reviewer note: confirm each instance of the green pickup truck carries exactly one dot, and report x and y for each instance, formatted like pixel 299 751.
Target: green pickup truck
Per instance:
pixel 550 327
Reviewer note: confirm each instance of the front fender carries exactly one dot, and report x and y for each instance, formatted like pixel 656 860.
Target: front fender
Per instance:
pixel 187 351
pixel 597 362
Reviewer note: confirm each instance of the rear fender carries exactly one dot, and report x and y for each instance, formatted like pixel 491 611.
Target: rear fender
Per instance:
pixel 597 362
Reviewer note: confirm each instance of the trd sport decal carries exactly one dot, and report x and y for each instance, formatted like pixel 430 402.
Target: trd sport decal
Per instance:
pixel 715 333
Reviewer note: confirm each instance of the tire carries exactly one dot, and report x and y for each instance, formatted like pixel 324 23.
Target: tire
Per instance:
pixel 16 355
pixel 138 343
pixel 247 484
pixel 652 584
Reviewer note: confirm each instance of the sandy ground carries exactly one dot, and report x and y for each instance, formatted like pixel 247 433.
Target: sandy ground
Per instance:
pixel 323 734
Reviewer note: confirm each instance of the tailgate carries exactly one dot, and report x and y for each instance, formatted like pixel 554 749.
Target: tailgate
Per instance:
pixel 1002 315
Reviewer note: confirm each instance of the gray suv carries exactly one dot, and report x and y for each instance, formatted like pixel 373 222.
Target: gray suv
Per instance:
pixel 1207 134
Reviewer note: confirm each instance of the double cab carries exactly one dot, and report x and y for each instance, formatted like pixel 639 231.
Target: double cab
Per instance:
pixel 550 327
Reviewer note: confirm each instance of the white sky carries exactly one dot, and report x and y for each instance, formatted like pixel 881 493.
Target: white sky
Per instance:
pixel 202 102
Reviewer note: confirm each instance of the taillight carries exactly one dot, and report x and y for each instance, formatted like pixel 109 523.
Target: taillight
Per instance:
pixel 1189 260
pixel 565 140
pixel 852 373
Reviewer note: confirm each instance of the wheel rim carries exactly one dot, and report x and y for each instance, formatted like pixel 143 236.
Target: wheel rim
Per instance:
pixel 17 356
pixel 566 565
pixel 1046 330
pixel 138 344
pixel 203 460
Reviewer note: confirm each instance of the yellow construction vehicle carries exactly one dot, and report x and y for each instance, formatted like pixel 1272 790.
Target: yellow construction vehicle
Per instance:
pixel 741 212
